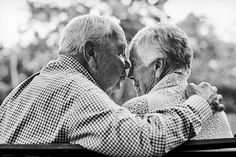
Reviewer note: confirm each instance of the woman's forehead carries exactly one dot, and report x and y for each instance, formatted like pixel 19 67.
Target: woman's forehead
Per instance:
pixel 147 53
pixel 134 58
pixel 131 54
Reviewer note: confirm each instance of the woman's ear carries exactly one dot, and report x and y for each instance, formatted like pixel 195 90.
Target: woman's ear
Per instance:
pixel 88 52
pixel 159 65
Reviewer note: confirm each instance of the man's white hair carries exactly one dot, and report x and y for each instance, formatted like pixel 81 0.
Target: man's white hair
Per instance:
pixel 87 27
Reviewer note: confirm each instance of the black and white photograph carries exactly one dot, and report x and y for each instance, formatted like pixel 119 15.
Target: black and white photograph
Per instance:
pixel 117 78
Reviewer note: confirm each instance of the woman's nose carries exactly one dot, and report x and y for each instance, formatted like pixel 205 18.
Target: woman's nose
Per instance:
pixel 130 73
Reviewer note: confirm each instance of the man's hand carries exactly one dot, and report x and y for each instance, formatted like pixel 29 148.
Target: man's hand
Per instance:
pixel 204 89
pixel 208 92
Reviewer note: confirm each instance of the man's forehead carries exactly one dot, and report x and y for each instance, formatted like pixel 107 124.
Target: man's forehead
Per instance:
pixel 122 44
pixel 121 36
pixel 122 40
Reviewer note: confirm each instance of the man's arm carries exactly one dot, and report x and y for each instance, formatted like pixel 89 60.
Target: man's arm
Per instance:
pixel 98 124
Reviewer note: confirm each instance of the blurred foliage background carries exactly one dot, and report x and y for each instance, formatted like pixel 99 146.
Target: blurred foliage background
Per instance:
pixel 214 59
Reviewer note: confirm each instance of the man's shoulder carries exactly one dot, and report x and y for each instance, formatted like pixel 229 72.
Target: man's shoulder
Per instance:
pixel 79 81
pixel 82 81
pixel 66 80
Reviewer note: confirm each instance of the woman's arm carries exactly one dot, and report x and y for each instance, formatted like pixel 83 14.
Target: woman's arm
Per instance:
pixel 137 105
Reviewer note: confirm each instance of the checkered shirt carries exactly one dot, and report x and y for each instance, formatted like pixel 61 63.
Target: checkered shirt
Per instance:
pixel 63 104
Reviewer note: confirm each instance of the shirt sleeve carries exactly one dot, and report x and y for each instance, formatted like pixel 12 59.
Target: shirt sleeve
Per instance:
pixel 98 124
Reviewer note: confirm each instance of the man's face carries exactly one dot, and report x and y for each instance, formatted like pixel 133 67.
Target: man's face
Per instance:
pixel 111 64
pixel 142 75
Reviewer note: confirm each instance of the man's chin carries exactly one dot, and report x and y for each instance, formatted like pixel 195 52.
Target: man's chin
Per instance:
pixel 117 86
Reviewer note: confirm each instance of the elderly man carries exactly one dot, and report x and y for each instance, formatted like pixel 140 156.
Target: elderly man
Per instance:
pixel 68 102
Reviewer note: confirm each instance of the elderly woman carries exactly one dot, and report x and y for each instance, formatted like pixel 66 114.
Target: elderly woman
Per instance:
pixel 161 56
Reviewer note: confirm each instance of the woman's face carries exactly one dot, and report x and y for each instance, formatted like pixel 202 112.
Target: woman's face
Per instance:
pixel 144 77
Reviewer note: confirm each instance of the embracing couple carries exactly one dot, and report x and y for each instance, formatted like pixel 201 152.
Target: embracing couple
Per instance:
pixel 68 100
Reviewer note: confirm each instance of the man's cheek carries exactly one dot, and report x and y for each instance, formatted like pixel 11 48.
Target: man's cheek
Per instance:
pixel 118 67
pixel 116 71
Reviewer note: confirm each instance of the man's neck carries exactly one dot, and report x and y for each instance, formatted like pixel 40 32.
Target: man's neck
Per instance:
pixel 79 58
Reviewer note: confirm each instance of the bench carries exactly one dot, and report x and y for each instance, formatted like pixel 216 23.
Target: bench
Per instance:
pixel 204 147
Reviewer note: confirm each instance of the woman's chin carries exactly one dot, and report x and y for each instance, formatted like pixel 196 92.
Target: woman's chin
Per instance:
pixel 119 82
pixel 113 89
pixel 138 91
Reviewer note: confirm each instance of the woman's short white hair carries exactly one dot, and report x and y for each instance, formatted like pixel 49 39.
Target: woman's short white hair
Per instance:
pixel 163 40
pixel 87 27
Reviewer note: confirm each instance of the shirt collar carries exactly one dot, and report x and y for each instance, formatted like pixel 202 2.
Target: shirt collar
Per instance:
pixel 170 80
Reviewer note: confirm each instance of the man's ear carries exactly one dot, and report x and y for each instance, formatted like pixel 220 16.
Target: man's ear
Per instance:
pixel 89 50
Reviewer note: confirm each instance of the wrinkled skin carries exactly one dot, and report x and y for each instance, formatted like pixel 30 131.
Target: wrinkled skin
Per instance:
pixel 108 64
pixel 143 76
pixel 111 66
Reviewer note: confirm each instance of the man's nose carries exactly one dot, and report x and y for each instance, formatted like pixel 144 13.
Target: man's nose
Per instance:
pixel 127 64
pixel 127 67
pixel 130 73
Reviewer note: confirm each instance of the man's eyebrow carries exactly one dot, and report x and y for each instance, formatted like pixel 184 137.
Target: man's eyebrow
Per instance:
pixel 122 47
